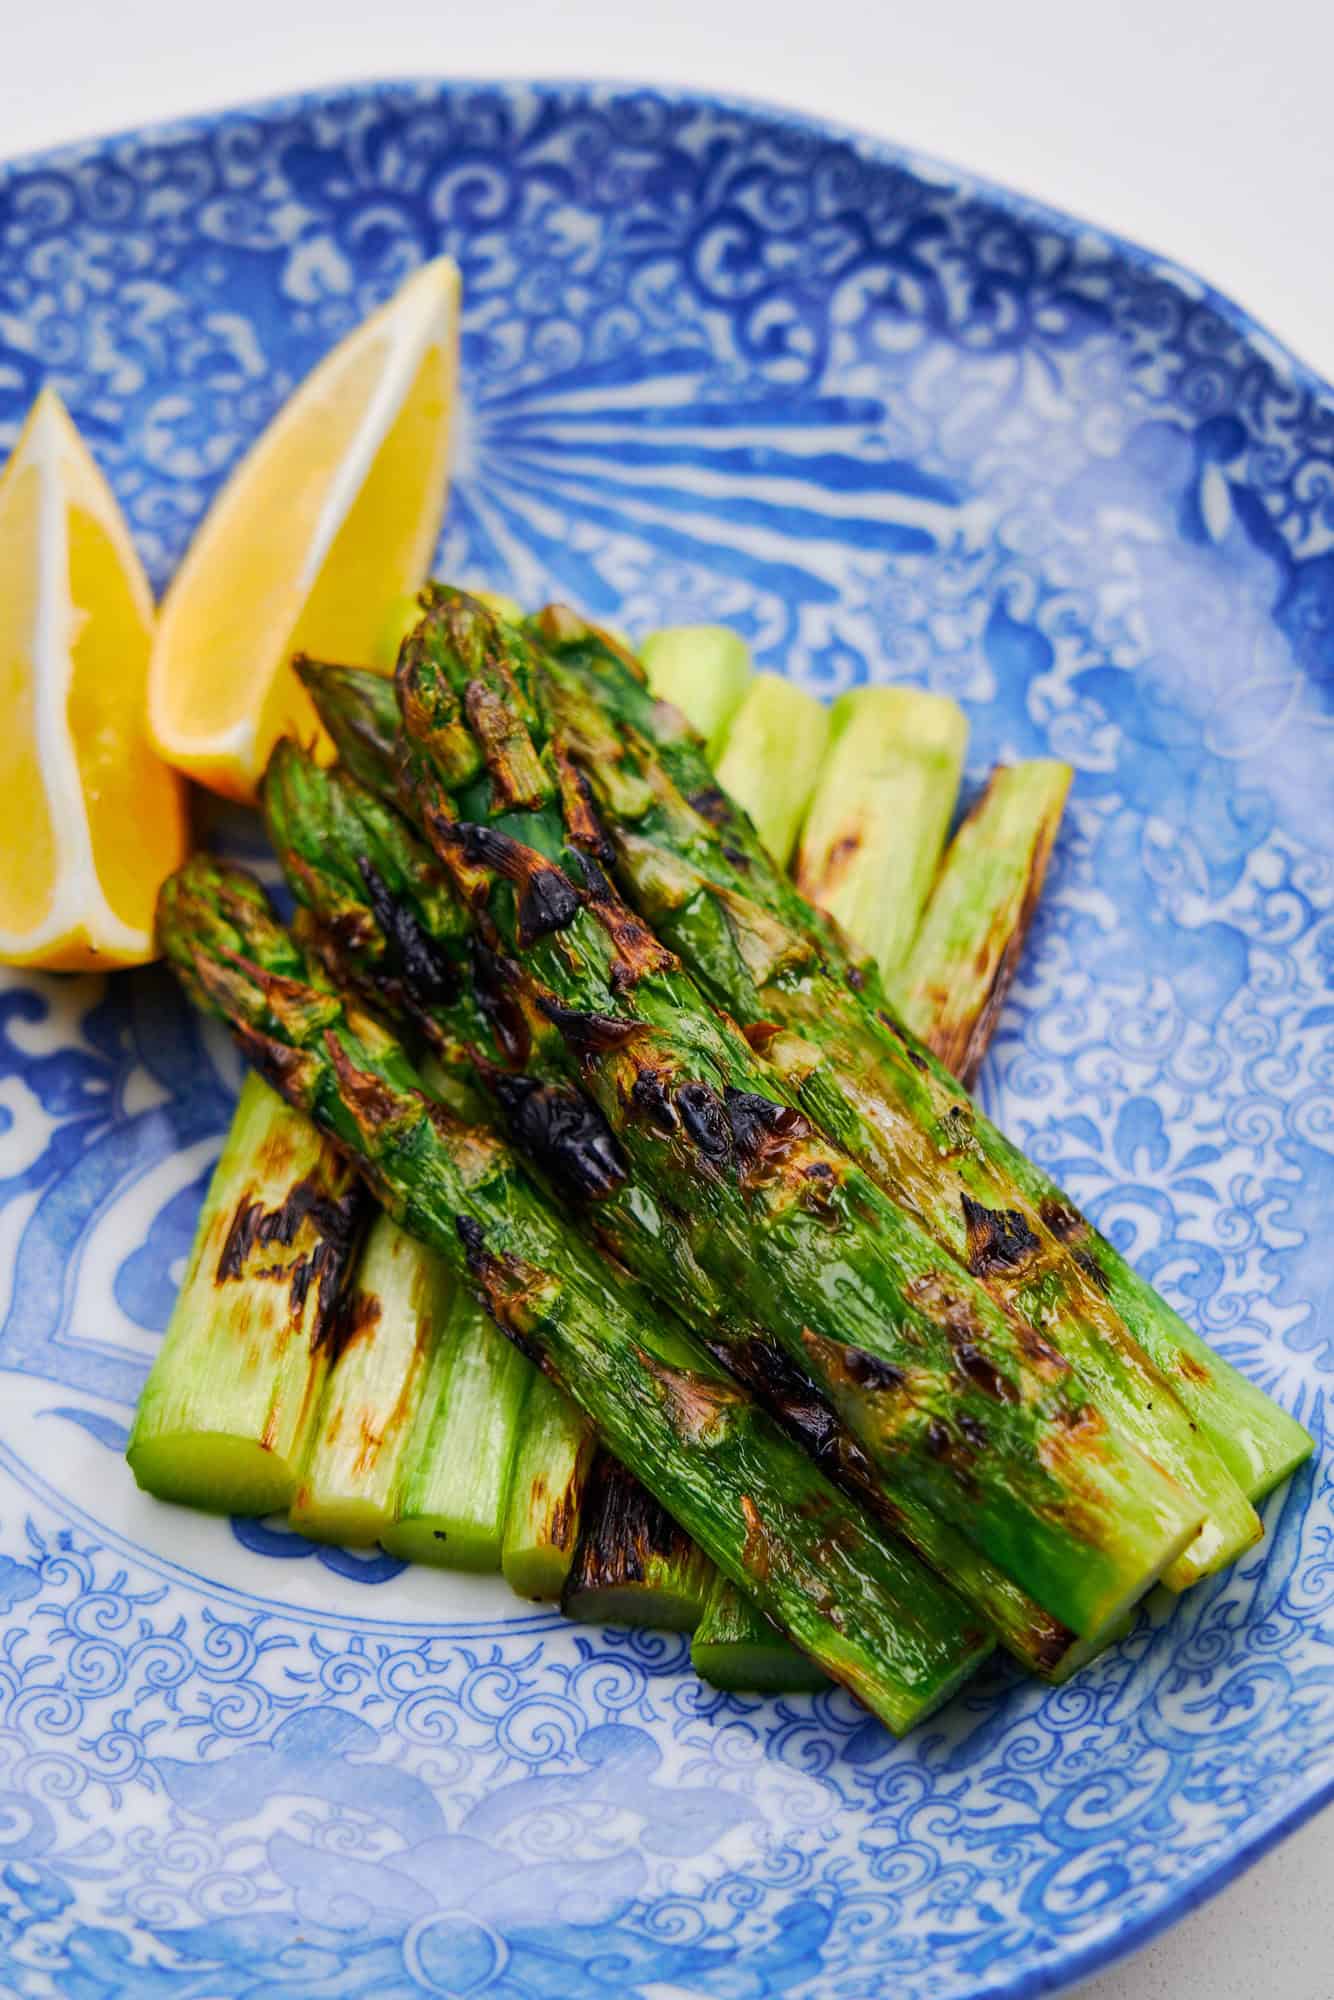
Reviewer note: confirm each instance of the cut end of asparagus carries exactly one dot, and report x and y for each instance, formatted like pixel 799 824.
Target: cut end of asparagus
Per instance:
pixel 737 1648
pixel 771 758
pixel 214 1471
pixel 881 811
pixel 446 1544
pixel 701 669
pixel 551 1470
pixel 634 1566
pixel 454 1489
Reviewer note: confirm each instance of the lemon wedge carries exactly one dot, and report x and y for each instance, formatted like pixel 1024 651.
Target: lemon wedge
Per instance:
pixel 332 515
pixel 91 819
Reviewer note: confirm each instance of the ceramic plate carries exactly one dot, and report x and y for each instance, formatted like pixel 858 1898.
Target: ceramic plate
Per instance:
pixel 719 363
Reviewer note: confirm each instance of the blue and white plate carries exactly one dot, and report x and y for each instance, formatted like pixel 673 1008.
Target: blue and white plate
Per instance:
pixel 718 364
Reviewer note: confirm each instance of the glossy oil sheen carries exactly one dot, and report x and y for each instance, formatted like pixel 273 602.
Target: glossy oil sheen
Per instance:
pixel 718 365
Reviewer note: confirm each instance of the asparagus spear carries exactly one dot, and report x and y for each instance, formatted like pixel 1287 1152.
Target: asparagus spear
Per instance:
pixel 953 983
pixel 864 1608
pixel 1011 1448
pixel 454 1485
pixel 881 810
pixel 228 1408
pixel 771 759
pixel 634 1566
pixel 705 670
pixel 645 1236
pixel 855 1070
pixel 386 1330
pixel 547 1489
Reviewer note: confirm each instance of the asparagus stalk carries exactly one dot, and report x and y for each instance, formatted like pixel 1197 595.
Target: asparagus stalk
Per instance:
pixel 1009 1447
pixel 454 1486
pixel 855 1071
pixel 634 1566
pixel 230 1402
pixel 864 1608
pixel 704 670
pixel 881 810
pixel 953 983
pixel 736 1647
pixel 387 1328
pixel 965 954
pixel 558 1129
pixel 547 1489
pixel 771 759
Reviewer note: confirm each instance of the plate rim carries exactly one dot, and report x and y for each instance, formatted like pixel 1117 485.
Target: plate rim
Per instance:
pixel 1098 1953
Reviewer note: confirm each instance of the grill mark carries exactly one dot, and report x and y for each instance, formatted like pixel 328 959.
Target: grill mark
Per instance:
pixel 414 956
pixel 494 980
pixel 545 898
pixel 763 1133
pixel 1064 1221
pixel 705 1120
pixel 565 1134
pixel 712 804
pixel 983 1373
pixel 334 1221
pixel 999 1239
pixel 589 1034
pixel 648 1096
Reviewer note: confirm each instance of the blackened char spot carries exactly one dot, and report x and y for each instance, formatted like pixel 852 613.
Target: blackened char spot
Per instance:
pixel 983 1373
pixel 761 1129
pixel 334 1221
pixel 856 978
pixel 589 1034
pixel 999 1239
pixel 546 899
pixel 937 1438
pixel 917 1060
pixel 549 902
pixel 356 1314
pixel 473 1238
pixel 649 1097
pixel 869 1371
pixel 973 1432
pixel 565 1134
pixel 713 805
pixel 738 860
pixel 772 1376
pixel 705 1120
pixel 596 885
pixel 414 956
pixel 494 981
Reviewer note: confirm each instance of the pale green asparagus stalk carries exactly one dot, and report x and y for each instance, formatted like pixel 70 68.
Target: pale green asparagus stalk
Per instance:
pixel 882 808
pixel 704 670
pixel 453 1488
pixel 386 1333
pixel 772 757
pixel 634 1566
pixel 227 1413
pixel 547 1488
pixel 952 985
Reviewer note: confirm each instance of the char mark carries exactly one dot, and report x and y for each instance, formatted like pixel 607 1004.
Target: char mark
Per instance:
pixel 546 899
pixel 999 1239
pixel 983 1373
pixel 762 1131
pixel 495 983
pixel 565 1134
pixel 589 1034
pixel 649 1098
pixel 414 955
pixel 334 1221
pixel 705 1120
pixel 712 804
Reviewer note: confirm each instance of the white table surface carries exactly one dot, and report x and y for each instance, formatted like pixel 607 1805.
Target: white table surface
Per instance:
pixel 1206 132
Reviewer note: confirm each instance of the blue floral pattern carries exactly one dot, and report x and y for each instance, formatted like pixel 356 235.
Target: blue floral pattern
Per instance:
pixel 717 364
